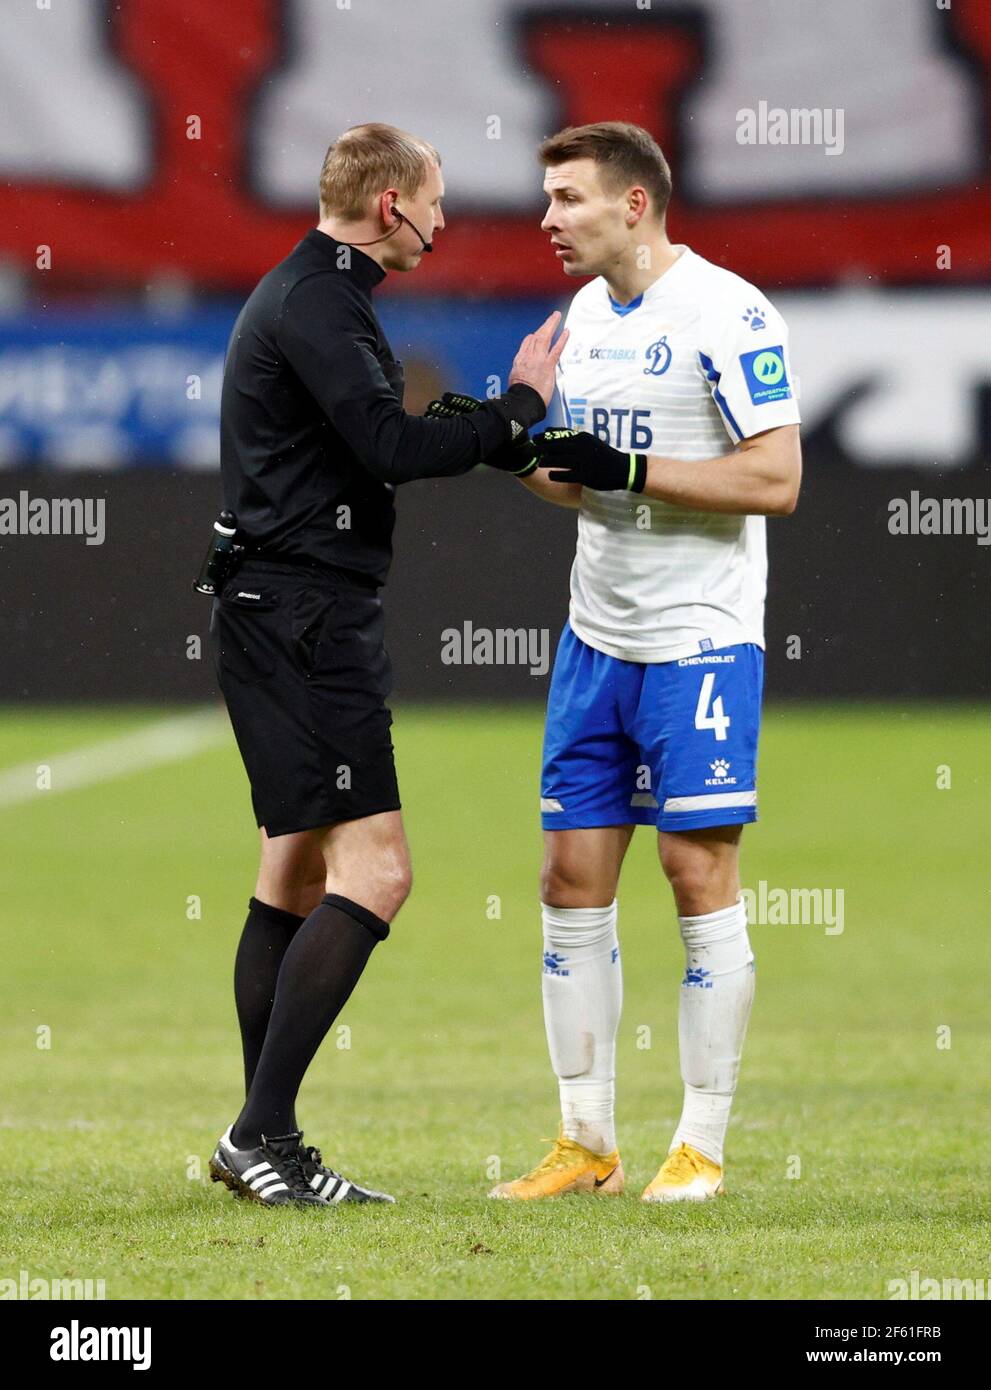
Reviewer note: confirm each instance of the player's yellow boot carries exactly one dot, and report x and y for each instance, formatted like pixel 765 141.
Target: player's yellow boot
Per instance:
pixel 569 1167
pixel 685 1176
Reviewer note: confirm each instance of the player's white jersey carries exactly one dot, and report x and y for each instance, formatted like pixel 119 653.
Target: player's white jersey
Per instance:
pixel 697 363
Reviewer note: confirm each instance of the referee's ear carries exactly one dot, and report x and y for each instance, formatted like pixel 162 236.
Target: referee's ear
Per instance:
pixel 387 207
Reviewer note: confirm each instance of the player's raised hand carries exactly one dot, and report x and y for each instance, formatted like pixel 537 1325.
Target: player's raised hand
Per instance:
pixel 536 359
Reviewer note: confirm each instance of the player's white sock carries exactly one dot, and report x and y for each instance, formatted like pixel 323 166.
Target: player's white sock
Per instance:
pixel 716 995
pixel 583 997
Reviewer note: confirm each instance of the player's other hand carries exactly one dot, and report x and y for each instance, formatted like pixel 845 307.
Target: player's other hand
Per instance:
pixel 575 456
pixel 535 363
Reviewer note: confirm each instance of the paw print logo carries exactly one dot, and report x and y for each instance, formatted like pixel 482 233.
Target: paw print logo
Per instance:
pixel 755 318
pixel 720 767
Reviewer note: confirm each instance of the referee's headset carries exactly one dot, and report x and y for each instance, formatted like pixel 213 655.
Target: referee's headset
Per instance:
pixel 427 245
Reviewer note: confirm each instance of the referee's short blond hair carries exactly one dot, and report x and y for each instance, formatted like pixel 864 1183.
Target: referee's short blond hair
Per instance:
pixel 367 159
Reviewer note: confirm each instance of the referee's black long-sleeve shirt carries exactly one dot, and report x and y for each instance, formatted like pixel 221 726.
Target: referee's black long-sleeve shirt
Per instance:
pixel 314 437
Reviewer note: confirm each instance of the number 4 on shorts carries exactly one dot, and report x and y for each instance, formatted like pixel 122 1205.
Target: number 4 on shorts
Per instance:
pixel 717 721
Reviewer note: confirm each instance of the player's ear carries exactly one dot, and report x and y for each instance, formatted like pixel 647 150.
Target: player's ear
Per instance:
pixel 636 205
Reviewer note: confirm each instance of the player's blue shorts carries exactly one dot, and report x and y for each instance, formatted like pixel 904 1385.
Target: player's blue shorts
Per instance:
pixel 671 744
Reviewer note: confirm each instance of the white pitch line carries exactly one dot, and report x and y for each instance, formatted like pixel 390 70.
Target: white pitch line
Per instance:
pixel 166 741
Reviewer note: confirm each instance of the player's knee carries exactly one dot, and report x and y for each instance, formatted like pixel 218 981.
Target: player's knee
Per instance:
pixel 701 888
pixel 691 878
pixel 565 883
pixel 694 902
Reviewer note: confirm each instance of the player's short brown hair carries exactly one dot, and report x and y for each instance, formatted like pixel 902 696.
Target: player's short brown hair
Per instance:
pixel 367 159
pixel 626 154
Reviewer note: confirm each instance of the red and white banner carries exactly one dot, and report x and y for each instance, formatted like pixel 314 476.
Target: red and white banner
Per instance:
pixel 810 143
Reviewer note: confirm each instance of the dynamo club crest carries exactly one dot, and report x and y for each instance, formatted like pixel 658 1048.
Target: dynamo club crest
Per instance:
pixel 658 358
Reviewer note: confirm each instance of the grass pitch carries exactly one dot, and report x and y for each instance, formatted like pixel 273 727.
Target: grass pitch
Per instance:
pixel 857 1152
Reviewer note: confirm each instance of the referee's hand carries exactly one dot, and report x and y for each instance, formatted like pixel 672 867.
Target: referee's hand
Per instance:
pixel 536 360
pixel 518 458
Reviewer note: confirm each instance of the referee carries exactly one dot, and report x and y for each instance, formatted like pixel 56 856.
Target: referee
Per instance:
pixel 314 441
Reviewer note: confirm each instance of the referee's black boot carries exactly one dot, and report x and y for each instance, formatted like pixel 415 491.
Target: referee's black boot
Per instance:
pixel 271 1173
pixel 331 1186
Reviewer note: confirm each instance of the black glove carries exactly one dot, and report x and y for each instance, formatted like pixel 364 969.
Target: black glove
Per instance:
pixel 579 457
pixel 518 458
pixel 451 404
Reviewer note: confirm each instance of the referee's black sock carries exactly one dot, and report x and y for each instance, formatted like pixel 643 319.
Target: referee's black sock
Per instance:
pixel 264 941
pixel 320 968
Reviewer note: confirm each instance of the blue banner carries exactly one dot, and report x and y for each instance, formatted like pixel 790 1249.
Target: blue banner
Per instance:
pixel 115 390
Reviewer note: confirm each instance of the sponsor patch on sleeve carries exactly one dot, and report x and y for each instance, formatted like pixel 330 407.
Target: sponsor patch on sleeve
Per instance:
pixel 765 375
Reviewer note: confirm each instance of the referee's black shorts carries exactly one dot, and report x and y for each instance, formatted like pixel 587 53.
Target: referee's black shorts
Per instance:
pixel 300 659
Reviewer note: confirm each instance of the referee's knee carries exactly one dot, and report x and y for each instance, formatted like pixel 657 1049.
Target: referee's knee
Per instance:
pixel 383 888
pixel 395 886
